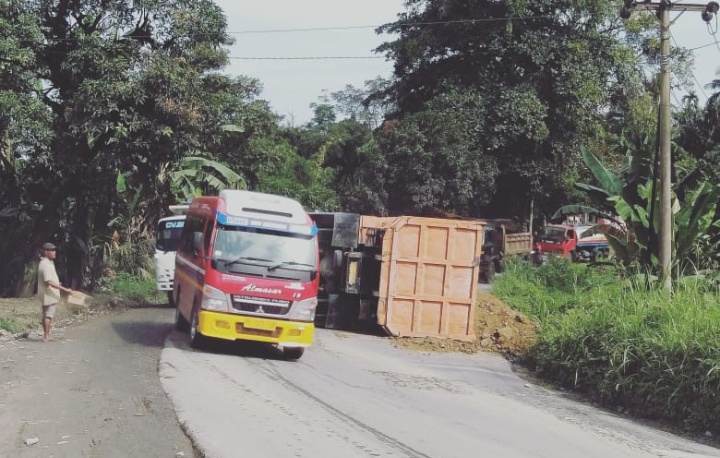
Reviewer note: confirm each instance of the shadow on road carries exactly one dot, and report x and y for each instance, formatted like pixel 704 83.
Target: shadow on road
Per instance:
pixel 152 305
pixel 244 348
pixel 143 333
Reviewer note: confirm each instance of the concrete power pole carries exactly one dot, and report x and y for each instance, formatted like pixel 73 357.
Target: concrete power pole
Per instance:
pixel 662 10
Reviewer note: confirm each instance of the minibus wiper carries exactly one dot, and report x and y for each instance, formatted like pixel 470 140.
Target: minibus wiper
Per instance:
pixel 289 263
pixel 245 259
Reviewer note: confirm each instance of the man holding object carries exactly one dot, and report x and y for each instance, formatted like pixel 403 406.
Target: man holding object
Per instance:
pixel 49 287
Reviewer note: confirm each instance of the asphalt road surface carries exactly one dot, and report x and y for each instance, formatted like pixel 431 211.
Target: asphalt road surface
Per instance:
pixel 358 396
pixel 94 392
pixel 108 388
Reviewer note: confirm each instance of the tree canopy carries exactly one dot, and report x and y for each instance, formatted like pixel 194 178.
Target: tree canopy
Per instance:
pixel 112 109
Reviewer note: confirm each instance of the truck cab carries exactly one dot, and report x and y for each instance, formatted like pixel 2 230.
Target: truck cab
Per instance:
pixel 167 239
pixel 577 243
pixel 556 240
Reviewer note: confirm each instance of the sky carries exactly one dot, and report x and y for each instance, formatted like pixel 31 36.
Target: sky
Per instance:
pixel 291 85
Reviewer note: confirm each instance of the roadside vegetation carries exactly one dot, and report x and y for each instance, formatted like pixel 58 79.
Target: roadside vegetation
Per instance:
pixel 10 325
pixel 109 112
pixel 21 316
pixel 638 350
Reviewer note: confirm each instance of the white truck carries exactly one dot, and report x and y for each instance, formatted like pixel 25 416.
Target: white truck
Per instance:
pixel 166 242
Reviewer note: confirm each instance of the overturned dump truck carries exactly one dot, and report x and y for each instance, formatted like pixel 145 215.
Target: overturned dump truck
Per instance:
pixel 411 276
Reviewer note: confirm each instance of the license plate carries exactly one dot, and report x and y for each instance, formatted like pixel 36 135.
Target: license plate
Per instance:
pixel 263 325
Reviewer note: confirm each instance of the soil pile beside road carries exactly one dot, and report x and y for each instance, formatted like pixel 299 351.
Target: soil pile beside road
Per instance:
pixel 498 328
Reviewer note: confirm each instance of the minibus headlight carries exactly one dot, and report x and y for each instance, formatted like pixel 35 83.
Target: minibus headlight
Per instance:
pixel 214 299
pixel 303 310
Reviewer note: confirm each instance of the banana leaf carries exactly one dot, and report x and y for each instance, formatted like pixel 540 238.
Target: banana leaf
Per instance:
pixel 610 183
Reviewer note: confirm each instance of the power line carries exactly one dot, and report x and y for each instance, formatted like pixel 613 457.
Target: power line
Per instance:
pixel 305 58
pixel 415 24
pixel 713 33
pixel 700 86
pixel 701 47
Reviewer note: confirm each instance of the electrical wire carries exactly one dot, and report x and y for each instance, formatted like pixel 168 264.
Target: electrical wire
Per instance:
pixel 415 24
pixel 677 102
pixel 356 27
pixel 699 85
pixel 701 47
pixel 713 33
pixel 305 58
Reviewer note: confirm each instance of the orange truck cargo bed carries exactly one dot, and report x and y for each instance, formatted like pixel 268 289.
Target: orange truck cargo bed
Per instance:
pixel 428 275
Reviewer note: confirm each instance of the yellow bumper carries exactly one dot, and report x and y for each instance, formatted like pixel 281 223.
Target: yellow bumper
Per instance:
pixel 234 327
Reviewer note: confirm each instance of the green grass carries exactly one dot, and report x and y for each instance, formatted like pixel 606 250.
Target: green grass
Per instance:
pixel 136 290
pixel 10 325
pixel 608 336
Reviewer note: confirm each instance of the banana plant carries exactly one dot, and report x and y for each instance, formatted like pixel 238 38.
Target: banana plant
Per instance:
pixel 197 175
pixel 632 198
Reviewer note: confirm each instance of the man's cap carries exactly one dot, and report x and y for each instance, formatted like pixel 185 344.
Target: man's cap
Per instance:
pixel 49 246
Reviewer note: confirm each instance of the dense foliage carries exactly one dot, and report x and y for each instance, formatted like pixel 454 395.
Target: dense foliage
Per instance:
pixel 111 110
pixel 540 73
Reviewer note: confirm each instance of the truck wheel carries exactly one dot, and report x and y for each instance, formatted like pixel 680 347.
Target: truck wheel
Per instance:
pixel 499 266
pixel 293 352
pixel 171 299
pixel 197 340
pixel 574 256
pixel 490 272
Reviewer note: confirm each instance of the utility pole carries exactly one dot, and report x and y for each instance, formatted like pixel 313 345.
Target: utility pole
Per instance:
pixel 662 9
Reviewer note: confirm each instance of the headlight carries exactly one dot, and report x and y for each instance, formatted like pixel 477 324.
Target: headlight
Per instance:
pixel 214 299
pixel 303 310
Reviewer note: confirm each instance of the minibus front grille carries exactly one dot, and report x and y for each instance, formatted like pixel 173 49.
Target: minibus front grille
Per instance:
pixel 260 307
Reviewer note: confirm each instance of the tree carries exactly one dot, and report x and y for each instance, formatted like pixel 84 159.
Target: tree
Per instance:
pixel 360 105
pixel 431 162
pixel 546 71
pixel 632 196
pixel 288 174
pixel 130 86
pixel 713 109
pixel 23 128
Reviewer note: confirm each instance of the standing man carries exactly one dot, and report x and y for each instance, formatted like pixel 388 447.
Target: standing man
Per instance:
pixel 49 287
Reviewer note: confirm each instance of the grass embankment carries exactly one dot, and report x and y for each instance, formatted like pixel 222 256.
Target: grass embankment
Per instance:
pixel 653 355
pixel 19 315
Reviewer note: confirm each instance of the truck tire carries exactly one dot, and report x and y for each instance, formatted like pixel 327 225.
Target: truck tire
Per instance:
pixel 293 353
pixel 499 265
pixel 197 340
pixel 490 272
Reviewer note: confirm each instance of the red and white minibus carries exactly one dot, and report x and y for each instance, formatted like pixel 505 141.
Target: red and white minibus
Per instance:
pixel 247 269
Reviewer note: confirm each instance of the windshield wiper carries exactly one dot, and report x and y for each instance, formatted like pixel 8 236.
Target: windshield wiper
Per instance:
pixel 289 264
pixel 246 260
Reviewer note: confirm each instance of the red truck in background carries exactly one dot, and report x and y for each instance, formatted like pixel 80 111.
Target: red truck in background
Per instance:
pixel 577 243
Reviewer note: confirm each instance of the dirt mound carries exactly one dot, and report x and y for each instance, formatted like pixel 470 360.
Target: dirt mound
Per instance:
pixel 498 328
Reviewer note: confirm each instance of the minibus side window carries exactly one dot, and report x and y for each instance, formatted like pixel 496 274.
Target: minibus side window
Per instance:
pixel 208 235
pixel 193 224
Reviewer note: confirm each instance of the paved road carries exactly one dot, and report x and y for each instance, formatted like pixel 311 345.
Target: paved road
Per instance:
pixel 357 396
pixel 93 393
pixel 96 393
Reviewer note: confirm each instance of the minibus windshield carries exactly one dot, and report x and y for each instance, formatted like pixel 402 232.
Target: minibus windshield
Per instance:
pixel 239 246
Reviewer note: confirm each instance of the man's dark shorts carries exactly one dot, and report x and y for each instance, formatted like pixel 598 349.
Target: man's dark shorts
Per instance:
pixel 48 311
